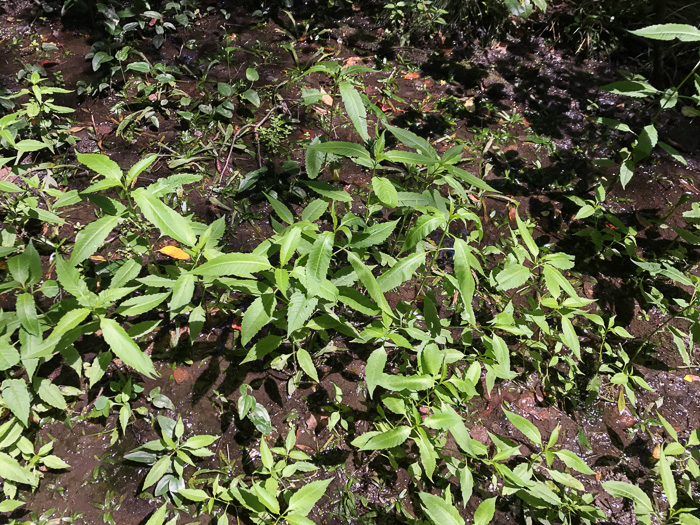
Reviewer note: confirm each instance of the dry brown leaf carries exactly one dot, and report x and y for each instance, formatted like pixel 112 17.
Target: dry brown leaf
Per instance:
pixel 311 423
pixel 512 213
pixel 690 378
pixel 657 451
pixel 353 61
pixel 97 258
pixel 174 252
pixel 412 76
pixel 180 375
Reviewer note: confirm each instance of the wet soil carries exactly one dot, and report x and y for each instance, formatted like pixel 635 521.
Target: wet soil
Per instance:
pixel 455 93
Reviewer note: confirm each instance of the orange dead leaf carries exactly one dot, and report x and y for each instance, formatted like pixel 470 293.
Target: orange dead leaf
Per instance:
pixel 411 76
pixel 353 61
pixel 174 252
pixel 657 451
pixel 180 375
pixel 598 476
pixel 512 214
pixel 236 325
pixel 97 258
pixel 690 378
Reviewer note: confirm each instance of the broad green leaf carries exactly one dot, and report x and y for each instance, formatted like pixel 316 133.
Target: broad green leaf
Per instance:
pixel 9 356
pixel 409 157
pixel 574 462
pixel 289 243
pixel 466 483
pixel 280 209
pixel 425 225
pixel 125 349
pixel 158 517
pixel 368 280
pixel 484 513
pixel 10 504
pixel 167 220
pixel 667 480
pixel 375 234
pixel 344 149
pixel 357 301
pixel 13 471
pixel 314 210
pixel 297 519
pixel 683 32
pixel 257 316
pixel 157 471
pixel 239 264
pixel 410 139
pixel 385 192
pixel 307 364
pixel 525 426
pixel 51 394
pixel 101 164
pixel 319 261
pixel 140 166
pixel 299 310
pixel 631 88
pixel 141 304
pixel 194 494
pixel 54 462
pixel 512 276
pixel 91 238
pixel 26 313
pixel 128 271
pixel 646 142
pixel 266 498
pixel 374 369
pixel 439 511
pixel 328 190
pixel 401 272
pixel 620 489
pixel 304 499
pixel 182 292
pixel 567 480
pixel 464 276
pixel 555 281
pixel 313 160
pixel 355 109
pixel 382 440
pixel 16 397
pixel 413 383
pixel 470 179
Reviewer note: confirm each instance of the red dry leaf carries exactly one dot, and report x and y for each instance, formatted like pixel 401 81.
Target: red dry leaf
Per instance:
pixel 181 375
pixel 411 76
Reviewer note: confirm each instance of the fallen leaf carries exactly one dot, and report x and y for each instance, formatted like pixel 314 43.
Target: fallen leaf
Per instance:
pixel 75 129
pixel 236 325
pixel 311 423
pixel 690 378
pixel 412 76
pixel 180 375
pixel 97 258
pixel 598 476
pixel 657 451
pixel 470 105
pixel 512 214
pixel 428 82
pixel 174 252
pixel 353 61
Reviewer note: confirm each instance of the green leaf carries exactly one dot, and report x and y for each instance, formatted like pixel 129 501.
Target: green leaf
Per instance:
pixel 16 396
pixel 141 304
pixel 385 192
pixel 51 394
pixel 470 179
pixel 439 511
pixel 91 238
pixel 140 166
pixel 280 209
pixel 425 225
pixel 374 369
pixel 413 383
pixel 319 261
pixel 567 480
pixel 375 234
pixel 125 349
pixel 251 96
pixel 569 336
pixel 355 109
pixel 329 191
pixel 54 462
pixel 26 313
pixel 257 316
pixel 266 498
pixel 9 505
pixel 484 513
pixel 101 164
pixel 158 517
pixel 194 494
pixel 667 480
pixel 239 264
pixel 366 278
pixel 13 471
pixel 183 290
pixel 307 364
pixel 304 499
pixel 631 88
pixel 526 427
pixel 299 310
pixel 464 276
pixel 410 139
pixel 157 471
pixel 620 489
pixel 683 32
pixel 9 356
pixel 314 210
pixel 167 220
pixel 409 157
pixel 401 272
pixel 526 236
pixel 512 276
pixel 382 440
pixel 574 462
pixel 344 149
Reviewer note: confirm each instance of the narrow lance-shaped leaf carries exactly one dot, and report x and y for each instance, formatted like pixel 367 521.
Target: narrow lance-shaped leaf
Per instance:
pixel 304 499
pixel 355 109
pixel 464 276
pixel 91 238
pixel 319 261
pixel 439 511
pixel 385 192
pixel 101 164
pixel 167 220
pixel 368 280
pixel 125 348
pixel 401 272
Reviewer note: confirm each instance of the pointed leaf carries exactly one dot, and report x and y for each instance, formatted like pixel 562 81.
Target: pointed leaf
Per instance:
pixel 439 511
pixel 125 348
pixel 319 261
pixel 239 264
pixel 91 238
pixel 355 109
pixel 401 272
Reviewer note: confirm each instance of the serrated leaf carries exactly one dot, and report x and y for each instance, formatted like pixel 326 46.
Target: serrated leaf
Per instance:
pixel 125 349
pixel 367 279
pixel 304 499
pixel 16 397
pixel 512 276
pixel 91 238
pixel 375 234
pixel 402 271
pixel 257 316
pixel 280 209
pixel 683 32
pixel 299 310
pixel 574 462
pixel 319 262
pixel 620 489
pixel 439 511
pixel 51 394
pixel 101 164
pixel 410 139
pixel 167 220
pixel 425 225
pixel 385 192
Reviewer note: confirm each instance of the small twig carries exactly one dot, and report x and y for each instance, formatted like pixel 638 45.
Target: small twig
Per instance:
pixel 238 133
